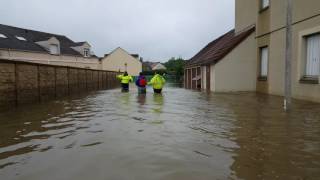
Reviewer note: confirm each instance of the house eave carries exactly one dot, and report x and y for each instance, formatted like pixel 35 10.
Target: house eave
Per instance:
pixel 42 52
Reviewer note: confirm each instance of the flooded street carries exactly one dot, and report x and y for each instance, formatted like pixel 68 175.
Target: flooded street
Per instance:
pixel 181 134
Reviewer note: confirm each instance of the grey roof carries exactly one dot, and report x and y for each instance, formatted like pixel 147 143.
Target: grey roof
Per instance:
pixel 11 42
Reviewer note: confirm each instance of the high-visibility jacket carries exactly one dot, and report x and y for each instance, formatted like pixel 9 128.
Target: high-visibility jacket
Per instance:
pixel 157 82
pixel 125 79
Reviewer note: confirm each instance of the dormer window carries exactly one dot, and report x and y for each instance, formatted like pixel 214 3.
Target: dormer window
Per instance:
pixel 21 38
pixel 3 36
pixel 86 52
pixel 265 4
pixel 54 49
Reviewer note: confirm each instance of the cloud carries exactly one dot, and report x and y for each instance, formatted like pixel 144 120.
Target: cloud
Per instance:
pixel 156 29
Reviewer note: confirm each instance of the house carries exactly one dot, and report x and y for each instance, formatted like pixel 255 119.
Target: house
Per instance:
pixel 225 64
pixel 147 66
pixel 153 66
pixel 269 16
pixel 158 66
pixel 41 47
pixel 121 60
pixel 267 46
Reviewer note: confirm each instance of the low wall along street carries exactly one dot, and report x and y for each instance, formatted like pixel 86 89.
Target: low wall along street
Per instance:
pixel 23 82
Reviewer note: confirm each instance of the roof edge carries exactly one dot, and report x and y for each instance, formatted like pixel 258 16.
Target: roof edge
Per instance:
pixel 245 32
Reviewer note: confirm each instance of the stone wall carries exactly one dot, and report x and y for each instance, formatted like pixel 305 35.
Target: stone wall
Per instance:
pixel 23 82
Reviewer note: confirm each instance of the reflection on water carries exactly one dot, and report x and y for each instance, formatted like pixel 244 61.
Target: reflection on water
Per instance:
pixel 177 135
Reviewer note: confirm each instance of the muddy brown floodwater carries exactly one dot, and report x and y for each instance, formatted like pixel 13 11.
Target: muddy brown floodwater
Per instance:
pixel 181 135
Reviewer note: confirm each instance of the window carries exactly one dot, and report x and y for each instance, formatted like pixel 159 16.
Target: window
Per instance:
pixel 54 49
pixel 313 56
pixel 264 53
pixel 86 52
pixel 265 4
pixel 21 38
pixel 3 36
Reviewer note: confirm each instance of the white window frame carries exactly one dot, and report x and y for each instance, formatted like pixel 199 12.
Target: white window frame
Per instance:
pixel 265 4
pixel 312 64
pixel 264 61
pixel 51 49
pixel 86 52
pixel 3 36
pixel 21 38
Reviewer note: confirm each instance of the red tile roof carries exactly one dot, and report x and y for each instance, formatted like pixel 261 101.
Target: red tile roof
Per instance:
pixel 219 48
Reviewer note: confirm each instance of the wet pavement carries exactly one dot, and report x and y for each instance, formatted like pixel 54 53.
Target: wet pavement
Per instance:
pixel 179 135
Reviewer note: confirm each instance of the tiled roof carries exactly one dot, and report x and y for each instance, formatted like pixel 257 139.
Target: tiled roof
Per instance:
pixel 219 48
pixel 31 36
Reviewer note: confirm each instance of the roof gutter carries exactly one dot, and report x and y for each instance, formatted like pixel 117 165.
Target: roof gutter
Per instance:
pixel 8 49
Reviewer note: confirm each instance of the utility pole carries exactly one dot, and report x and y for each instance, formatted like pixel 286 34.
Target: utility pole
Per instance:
pixel 287 88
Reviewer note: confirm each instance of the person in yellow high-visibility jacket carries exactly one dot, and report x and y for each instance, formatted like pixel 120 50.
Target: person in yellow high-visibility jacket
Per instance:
pixel 125 79
pixel 157 83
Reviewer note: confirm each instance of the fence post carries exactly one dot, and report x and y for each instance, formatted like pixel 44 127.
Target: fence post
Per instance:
pixel 55 82
pixel 92 80
pixel 39 85
pixel 85 74
pixel 68 77
pixel 16 83
pixel 78 83
pixel 98 80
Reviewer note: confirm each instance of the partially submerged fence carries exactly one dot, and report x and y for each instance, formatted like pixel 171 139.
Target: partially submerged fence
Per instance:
pixel 23 82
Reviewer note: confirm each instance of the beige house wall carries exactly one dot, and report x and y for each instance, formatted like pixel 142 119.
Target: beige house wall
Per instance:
pixel 44 58
pixel 203 77
pixel 118 58
pixel 301 11
pixel 306 21
pixel 277 14
pixel 212 78
pixel 237 71
pixel 246 14
pixel 263 23
pixel 262 86
pixel 240 69
pixel 276 67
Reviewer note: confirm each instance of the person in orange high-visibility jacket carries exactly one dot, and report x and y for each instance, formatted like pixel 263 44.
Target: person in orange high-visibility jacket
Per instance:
pixel 125 79
pixel 157 83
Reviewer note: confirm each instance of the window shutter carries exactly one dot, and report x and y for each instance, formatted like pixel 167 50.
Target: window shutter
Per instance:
pixel 313 56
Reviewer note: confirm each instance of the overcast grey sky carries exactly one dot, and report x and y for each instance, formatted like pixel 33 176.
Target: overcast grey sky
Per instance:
pixel 155 29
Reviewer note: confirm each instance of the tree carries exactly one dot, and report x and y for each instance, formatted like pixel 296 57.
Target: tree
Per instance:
pixel 175 66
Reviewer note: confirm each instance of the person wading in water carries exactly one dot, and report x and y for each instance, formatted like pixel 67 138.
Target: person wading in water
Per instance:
pixel 141 82
pixel 157 83
pixel 125 79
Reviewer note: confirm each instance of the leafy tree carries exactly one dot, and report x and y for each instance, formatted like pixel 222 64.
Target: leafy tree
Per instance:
pixel 175 66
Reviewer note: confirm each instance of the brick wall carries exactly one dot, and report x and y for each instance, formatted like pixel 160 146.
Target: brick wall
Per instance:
pixel 23 83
